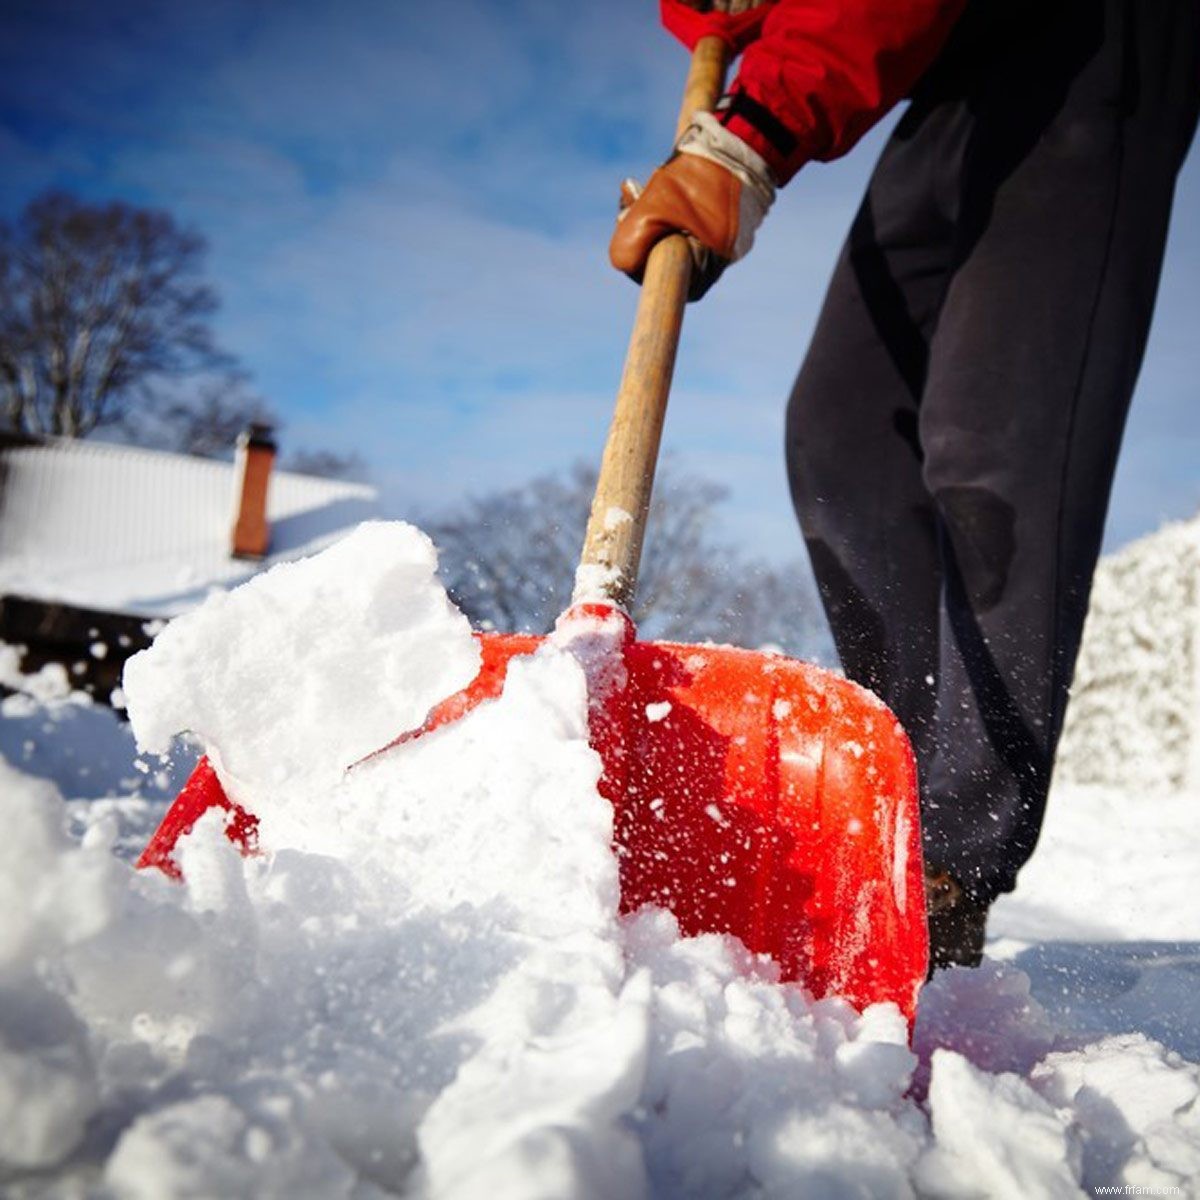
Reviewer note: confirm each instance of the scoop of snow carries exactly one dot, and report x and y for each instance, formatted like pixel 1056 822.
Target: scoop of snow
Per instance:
pixel 309 666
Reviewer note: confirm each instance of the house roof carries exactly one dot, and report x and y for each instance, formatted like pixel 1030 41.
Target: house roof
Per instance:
pixel 145 531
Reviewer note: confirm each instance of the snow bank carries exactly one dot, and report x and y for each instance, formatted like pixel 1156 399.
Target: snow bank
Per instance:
pixel 424 987
pixel 1134 716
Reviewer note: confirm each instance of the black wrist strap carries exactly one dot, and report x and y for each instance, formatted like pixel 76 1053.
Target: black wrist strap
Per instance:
pixel 740 104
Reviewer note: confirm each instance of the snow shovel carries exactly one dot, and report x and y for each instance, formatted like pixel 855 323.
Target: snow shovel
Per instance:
pixel 752 794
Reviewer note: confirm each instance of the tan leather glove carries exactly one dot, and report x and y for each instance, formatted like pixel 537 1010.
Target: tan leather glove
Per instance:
pixel 714 188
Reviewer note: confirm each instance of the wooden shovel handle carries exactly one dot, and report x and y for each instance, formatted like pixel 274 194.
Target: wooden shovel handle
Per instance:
pixel 612 547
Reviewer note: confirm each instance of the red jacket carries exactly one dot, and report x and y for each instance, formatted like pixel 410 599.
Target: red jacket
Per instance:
pixel 824 71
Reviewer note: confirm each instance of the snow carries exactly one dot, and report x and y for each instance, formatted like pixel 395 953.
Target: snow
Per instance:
pixel 1132 720
pixel 52 732
pixel 595 583
pixel 45 685
pixel 1028 1150
pixel 424 988
pixel 353 646
pixel 615 517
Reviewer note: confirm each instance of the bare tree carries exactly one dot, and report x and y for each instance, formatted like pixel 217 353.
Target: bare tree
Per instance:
pixel 203 420
pixel 508 559
pixel 98 303
pixel 328 463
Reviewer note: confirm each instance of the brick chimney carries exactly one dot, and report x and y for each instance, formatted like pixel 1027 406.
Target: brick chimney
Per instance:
pixel 251 533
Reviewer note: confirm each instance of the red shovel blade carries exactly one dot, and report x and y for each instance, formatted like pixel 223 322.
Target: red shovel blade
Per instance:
pixel 753 795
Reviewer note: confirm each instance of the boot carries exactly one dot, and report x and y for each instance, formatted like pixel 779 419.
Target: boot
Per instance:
pixel 956 922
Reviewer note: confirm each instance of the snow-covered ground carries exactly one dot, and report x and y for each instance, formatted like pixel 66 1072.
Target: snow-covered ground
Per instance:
pixel 424 988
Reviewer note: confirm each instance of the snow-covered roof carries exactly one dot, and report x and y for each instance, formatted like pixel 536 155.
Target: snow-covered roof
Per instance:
pixel 145 531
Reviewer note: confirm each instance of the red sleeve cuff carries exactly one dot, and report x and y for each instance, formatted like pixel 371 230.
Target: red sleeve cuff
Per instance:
pixel 780 147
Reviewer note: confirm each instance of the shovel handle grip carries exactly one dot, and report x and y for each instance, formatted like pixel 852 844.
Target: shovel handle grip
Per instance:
pixel 612 547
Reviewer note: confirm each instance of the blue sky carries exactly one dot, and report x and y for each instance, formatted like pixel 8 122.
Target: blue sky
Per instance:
pixel 408 208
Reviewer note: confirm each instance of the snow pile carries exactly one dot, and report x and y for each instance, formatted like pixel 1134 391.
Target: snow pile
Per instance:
pixel 424 988
pixel 1133 716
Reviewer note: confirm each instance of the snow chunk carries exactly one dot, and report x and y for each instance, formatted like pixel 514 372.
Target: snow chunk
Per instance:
pixel 748 1079
pixel 214 1146
pixel 48 1085
pixel 364 625
pixel 52 893
pixel 1028 1149
pixel 1139 1108
pixel 595 582
pixel 46 685
pixel 987 1015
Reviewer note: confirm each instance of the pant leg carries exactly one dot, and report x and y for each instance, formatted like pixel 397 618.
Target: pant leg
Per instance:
pixel 1065 200
pixel 853 454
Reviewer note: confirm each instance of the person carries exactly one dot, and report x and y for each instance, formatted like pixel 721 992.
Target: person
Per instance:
pixel 953 431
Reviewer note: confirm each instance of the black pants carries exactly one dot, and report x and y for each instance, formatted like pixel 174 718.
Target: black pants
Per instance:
pixel 953 432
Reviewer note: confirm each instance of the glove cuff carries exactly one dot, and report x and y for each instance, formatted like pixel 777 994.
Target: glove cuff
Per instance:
pixel 707 138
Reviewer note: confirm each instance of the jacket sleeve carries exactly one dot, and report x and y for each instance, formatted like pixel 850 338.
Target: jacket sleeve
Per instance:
pixel 824 71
